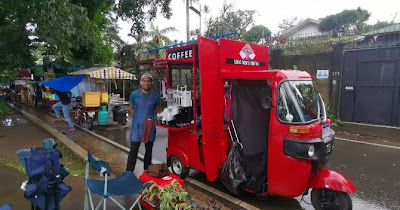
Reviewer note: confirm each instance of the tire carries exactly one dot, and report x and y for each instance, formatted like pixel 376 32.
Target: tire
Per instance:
pixel 124 121
pixel 178 167
pixel 87 122
pixel 90 122
pixel 334 200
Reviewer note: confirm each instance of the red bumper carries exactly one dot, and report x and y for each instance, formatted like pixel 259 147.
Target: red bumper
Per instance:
pixel 332 180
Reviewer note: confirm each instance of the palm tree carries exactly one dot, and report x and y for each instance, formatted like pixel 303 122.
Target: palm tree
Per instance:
pixel 157 38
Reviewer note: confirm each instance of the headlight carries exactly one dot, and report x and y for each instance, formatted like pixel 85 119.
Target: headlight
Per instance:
pixel 311 150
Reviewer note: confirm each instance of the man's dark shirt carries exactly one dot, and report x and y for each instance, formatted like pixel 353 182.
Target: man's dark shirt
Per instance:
pixel 64 97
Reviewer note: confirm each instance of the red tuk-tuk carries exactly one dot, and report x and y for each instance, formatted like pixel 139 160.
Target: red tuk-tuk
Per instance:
pixel 278 118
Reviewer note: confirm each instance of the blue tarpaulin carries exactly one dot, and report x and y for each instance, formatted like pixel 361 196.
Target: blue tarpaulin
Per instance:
pixel 64 84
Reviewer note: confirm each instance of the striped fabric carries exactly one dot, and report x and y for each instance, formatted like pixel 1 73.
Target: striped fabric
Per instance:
pixel 106 73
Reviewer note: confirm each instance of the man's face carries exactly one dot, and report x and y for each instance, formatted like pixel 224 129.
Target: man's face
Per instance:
pixel 146 83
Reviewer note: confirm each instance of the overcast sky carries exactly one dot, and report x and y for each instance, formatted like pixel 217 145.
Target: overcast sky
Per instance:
pixel 271 13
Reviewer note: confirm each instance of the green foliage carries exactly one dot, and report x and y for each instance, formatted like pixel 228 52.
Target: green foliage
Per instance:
pixel 4 108
pixel 347 20
pixel 256 34
pixel 171 196
pixel 138 11
pixel 334 120
pixel 310 46
pixel 230 20
pixel 80 31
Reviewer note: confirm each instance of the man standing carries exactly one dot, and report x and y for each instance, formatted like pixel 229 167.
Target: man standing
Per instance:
pixel 143 104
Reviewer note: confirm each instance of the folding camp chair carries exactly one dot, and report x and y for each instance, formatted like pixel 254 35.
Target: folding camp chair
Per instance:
pixel 125 184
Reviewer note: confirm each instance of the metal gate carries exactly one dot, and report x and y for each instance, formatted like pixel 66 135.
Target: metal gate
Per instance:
pixel 370 90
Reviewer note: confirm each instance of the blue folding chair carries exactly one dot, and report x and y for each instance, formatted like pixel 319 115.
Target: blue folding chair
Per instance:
pixel 125 184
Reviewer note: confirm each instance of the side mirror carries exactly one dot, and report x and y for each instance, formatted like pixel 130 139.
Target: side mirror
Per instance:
pixel 266 98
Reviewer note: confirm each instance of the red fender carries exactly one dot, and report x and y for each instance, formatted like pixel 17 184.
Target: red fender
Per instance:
pixel 178 153
pixel 332 180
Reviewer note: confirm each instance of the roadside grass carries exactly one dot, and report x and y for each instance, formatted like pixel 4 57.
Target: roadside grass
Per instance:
pixel 4 108
pixel 74 164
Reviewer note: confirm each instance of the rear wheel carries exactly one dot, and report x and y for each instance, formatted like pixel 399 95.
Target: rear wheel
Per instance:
pixel 323 199
pixel 87 122
pixel 178 167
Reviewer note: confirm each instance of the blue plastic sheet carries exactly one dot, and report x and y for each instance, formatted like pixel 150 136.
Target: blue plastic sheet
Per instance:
pixel 64 84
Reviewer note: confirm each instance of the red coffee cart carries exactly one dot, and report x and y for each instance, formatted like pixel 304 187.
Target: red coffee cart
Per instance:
pixel 279 120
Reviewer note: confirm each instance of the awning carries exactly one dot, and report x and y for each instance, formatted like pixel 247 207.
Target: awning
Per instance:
pixel 64 84
pixel 105 73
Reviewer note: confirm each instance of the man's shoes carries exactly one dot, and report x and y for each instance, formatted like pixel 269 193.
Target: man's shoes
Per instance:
pixel 57 120
pixel 71 129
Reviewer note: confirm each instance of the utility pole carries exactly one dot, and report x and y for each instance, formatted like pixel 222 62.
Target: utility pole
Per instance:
pixel 199 13
pixel 187 20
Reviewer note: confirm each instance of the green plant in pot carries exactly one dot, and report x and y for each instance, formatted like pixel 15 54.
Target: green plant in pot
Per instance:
pixel 171 196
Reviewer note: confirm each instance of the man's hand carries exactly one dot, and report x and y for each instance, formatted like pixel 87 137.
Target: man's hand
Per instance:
pixel 131 109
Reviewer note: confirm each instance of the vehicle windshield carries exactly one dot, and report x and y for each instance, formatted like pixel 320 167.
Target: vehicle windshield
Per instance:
pixel 297 102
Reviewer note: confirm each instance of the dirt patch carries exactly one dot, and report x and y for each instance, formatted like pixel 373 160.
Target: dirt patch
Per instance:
pixel 204 201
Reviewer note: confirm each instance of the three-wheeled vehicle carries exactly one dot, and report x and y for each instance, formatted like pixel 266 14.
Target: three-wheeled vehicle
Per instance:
pixel 279 119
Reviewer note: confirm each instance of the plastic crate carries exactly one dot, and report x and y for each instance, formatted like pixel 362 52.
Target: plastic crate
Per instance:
pixel 91 99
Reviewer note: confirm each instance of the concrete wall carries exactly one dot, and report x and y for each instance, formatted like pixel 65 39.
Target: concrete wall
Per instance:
pixel 311 63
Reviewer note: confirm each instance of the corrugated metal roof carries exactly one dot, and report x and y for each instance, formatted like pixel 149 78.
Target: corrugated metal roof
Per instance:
pixel 387 29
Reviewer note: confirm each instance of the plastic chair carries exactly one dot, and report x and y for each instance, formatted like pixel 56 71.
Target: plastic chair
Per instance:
pixel 125 184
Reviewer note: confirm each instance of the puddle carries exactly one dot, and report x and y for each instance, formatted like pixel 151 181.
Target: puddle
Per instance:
pixel 12 121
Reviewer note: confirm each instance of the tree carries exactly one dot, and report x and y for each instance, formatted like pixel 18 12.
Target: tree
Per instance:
pixel 346 21
pixel 157 38
pixel 257 34
pixel 138 11
pixel 288 23
pixel 230 20
pixel 58 25
pixel 103 33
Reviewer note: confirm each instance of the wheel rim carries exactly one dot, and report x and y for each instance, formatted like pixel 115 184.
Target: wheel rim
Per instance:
pixel 333 200
pixel 177 167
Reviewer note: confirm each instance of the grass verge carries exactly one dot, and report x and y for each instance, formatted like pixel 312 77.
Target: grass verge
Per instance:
pixel 74 164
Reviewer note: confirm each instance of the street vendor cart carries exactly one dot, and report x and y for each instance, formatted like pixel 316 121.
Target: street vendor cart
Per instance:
pixel 228 116
pixel 91 97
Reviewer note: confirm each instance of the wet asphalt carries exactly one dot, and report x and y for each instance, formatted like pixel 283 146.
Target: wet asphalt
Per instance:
pixel 375 170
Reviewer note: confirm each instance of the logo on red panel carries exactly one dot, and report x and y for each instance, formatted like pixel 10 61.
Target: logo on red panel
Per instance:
pixel 247 53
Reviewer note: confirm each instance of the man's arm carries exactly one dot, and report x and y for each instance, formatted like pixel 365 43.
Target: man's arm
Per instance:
pixel 131 109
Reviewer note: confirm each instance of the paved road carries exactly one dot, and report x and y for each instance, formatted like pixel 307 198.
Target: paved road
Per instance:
pixel 374 170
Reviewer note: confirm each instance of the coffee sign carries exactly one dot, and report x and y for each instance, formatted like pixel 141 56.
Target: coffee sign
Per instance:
pixel 181 54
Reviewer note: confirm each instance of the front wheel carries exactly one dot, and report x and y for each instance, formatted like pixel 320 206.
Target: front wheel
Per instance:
pixel 178 167
pixel 330 199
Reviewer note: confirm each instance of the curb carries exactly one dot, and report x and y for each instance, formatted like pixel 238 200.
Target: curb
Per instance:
pixel 81 152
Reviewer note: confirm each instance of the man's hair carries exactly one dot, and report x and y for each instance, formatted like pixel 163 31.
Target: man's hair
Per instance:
pixel 146 75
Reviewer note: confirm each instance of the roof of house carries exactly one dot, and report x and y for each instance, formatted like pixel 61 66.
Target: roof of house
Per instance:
pixel 388 29
pixel 287 33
